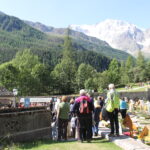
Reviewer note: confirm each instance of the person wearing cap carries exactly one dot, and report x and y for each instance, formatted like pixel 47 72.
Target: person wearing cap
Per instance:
pixel 63 118
pixel 84 119
pixel 112 108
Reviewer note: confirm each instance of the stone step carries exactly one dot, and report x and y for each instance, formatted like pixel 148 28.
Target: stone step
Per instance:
pixel 125 142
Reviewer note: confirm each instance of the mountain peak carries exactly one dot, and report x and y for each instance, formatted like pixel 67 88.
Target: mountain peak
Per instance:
pixel 1 13
pixel 117 33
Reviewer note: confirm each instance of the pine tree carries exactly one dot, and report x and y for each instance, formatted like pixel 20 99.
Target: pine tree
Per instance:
pixel 129 68
pixel 124 74
pixel 68 48
pixel 140 73
pixel 114 72
pixel 140 62
pixel 64 73
pixel 129 63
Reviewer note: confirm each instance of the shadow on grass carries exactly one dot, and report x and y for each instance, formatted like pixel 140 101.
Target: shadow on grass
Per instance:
pixel 99 140
pixel 34 144
pixel 37 143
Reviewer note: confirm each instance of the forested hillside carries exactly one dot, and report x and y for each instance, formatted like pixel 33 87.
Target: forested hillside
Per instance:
pixel 15 36
pixel 88 42
pixel 42 64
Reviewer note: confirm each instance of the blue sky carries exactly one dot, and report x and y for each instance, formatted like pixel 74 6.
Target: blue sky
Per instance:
pixel 61 13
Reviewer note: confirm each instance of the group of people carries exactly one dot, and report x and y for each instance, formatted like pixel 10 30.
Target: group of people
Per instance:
pixel 139 104
pixel 84 114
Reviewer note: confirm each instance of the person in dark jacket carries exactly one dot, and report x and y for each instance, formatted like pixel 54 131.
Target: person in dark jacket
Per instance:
pixel 84 116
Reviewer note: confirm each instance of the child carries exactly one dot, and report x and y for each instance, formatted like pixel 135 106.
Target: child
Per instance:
pixel 73 125
pixel 123 108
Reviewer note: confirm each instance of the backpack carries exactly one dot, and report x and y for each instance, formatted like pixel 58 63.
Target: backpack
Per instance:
pixel 84 107
pixel 110 103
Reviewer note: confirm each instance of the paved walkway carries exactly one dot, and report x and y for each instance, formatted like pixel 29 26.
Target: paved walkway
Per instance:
pixel 123 141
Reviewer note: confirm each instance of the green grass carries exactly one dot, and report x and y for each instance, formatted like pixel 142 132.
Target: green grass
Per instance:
pixel 140 89
pixel 99 144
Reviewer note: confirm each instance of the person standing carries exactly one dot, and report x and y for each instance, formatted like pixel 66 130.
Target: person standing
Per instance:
pixel 98 104
pixel 123 108
pixel 83 107
pixel 63 118
pixel 112 108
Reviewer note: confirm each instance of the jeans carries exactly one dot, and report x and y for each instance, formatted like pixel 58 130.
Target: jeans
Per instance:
pixel 95 128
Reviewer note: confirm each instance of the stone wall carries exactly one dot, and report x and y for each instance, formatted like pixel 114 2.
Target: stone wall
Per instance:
pixel 132 95
pixel 25 125
pixel 135 95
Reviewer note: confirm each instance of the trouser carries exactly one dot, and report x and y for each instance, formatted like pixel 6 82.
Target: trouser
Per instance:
pixel 96 127
pixel 123 113
pixel 62 128
pixel 113 117
pixel 84 127
pixel 73 132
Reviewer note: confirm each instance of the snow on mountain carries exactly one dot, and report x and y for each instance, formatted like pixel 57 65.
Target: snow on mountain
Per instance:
pixel 119 34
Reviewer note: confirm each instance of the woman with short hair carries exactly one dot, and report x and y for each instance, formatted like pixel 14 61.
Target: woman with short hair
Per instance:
pixel 63 118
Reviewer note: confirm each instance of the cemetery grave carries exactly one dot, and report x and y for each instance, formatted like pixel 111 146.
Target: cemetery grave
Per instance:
pixel 140 117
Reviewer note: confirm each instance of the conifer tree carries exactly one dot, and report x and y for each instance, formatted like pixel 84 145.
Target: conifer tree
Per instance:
pixel 140 73
pixel 124 74
pixel 129 68
pixel 64 73
pixel 114 72
pixel 140 62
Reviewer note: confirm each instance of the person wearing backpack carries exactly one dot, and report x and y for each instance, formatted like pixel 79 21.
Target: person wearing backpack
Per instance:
pixel 112 108
pixel 83 108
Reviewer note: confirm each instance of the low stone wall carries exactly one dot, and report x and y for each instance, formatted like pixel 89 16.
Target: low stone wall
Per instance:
pixel 135 95
pixel 132 95
pixel 25 124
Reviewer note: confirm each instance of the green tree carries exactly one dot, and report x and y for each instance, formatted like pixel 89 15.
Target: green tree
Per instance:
pixel 147 70
pixel 65 72
pixel 124 78
pixel 140 72
pixel 114 72
pixel 103 80
pixel 129 69
pixel 28 81
pixel 9 76
pixel 90 84
pixel 129 63
pixel 84 72
pixel 41 74
pixel 140 62
pixel 25 60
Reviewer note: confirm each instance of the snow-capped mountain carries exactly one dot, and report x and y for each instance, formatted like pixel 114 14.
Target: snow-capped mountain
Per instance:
pixel 119 34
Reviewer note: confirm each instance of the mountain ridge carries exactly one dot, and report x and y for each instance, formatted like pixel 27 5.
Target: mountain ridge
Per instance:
pixel 16 35
pixel 118 34
pixel 100 46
